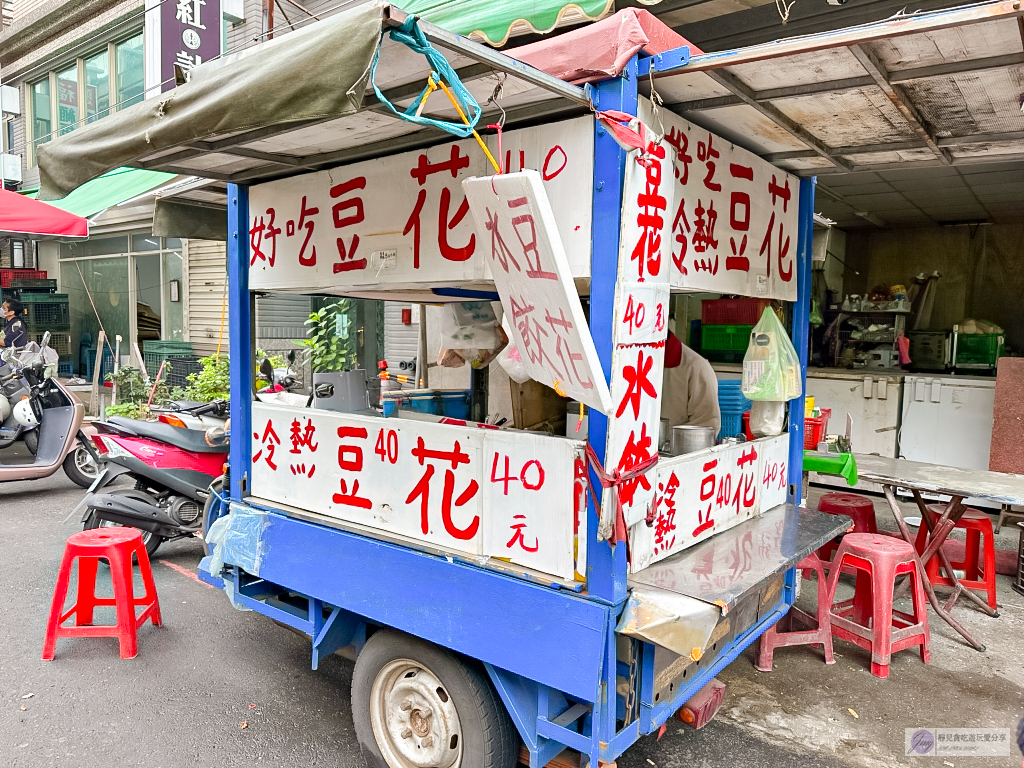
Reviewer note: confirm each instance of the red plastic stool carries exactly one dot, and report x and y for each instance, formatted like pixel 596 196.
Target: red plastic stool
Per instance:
pixel 116 546
pixel 774 638
pixel 977 577
pixel 881 559
pixel 860 508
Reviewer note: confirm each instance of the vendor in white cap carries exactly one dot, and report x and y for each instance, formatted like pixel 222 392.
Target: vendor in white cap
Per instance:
pixel 690 389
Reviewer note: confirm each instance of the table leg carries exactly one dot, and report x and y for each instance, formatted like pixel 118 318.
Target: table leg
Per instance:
pixel 955 509
pixel 890 496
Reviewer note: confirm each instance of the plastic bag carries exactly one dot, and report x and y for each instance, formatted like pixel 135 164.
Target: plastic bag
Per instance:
pixel 469 325
pixel 512 361
pixel 771 368
pixel 767 418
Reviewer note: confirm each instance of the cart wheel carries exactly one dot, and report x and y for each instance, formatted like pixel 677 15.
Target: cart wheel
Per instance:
pixel 416 705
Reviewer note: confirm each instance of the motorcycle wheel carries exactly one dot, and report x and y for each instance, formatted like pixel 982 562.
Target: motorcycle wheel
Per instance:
pixel 80 467
pixel 211 508
pixel 32 441
pixel 150 540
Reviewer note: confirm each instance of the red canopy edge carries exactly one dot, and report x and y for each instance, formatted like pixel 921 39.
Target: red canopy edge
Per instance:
pixel 23 216
pixel 601 50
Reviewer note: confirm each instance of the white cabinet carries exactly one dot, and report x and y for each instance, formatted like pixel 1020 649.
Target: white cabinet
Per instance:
pixel 947 420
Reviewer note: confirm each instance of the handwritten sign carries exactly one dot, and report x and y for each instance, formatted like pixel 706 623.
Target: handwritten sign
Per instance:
pixel 640 324
pixel 704 493
pixel 735 223
pixel 403 220
pixel 516 226
pixel 478 492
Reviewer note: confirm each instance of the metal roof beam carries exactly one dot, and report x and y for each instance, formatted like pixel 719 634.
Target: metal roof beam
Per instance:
pixel 899 99
pixel 969 66
pixel 778 117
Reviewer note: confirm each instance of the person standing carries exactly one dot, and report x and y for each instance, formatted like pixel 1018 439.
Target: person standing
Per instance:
pixel 15 334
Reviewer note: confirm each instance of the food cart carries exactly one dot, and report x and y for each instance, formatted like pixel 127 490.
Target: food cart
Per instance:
pixel 578 590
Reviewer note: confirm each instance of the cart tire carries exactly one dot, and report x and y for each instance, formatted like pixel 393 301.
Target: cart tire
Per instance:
pixel 465 726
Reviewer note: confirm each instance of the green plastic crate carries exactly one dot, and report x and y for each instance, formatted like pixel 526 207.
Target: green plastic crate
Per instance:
pixel 169 347
pixel 725 338
pixel 978 348
pixel 48 316
pixel 44 298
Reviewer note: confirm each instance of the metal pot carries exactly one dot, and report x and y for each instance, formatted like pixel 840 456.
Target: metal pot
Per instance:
pixel 687 438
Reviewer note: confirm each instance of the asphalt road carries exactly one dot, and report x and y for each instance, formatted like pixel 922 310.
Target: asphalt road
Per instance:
pixel 213 687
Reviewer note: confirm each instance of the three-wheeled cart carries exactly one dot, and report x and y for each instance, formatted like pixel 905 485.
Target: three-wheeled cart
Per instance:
pixel 495 586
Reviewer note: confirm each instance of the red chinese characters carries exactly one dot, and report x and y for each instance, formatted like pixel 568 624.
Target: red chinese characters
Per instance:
pixel 781 240
pixel 744 497
pixel 350 459
pixel 651 208
pixel 637 450
pixel 665 519
pixel 638 383
pixel 262 233
pixel 426 457
pixel 708 483
pixel 547 342
pixel 269 441
pixel 739 219
pixel 447 219
pixel 705 221
pixel 307 252
pixel 348 212
pixel 707 154
pixel 303 442
pixel 773 475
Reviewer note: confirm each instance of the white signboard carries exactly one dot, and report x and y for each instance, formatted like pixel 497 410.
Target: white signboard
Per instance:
pixel 479 492
pixel 640 325
pixel 701 494
pixel 516 226
pixel 403 219
pixel 735 224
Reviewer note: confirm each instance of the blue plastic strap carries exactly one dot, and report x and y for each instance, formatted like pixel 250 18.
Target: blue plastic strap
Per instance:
pixel 410 34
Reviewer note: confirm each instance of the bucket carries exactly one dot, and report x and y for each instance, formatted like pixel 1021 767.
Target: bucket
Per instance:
pixel 687 438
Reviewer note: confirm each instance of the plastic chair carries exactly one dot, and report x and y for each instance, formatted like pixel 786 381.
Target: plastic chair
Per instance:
pixel 981 543
pixel 116 546
pixel 860 508
pixel 822 633
pixel 869 620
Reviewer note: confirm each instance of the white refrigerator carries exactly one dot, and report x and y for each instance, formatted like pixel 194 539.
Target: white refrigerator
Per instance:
pixel 948 420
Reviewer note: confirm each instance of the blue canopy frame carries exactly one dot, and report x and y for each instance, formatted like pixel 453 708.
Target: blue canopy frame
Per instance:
pixel 558 676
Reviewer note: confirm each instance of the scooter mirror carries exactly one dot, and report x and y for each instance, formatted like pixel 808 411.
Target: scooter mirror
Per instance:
pixel 267 370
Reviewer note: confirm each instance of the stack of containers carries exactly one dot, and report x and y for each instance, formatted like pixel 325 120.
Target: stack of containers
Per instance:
pixel 726 326
pixel 733 405
pixel 45 310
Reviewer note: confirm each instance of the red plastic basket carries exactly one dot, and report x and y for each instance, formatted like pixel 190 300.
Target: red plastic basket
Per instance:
pixel 732 311
pixel 815 428
pixel 6 275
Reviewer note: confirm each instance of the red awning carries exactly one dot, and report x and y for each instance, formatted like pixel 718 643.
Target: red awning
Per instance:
pixel 20 215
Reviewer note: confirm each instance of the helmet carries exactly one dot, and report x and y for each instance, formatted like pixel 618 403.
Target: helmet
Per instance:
pixel 24 414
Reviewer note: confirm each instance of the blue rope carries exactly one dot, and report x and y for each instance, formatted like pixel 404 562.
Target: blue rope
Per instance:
pixel 410 34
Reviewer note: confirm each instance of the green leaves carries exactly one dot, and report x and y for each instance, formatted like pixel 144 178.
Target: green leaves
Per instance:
pixel 325 348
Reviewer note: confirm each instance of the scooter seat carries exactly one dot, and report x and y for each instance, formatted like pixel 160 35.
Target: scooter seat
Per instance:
pixel 192 440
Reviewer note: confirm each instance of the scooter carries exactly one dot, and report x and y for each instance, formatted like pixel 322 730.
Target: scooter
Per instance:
pixel 175 471
pixel 189 414
pixel 172 469
pixel 41 421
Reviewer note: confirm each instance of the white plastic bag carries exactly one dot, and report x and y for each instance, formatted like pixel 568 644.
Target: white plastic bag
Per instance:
pixel 771 368
pixel 510 360
pixel 767 418
pixel 468 325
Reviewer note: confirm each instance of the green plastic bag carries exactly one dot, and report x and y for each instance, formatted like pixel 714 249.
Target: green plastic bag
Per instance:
pixel 771 368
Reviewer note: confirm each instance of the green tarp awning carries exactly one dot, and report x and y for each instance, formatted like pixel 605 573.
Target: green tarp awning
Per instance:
pixel 492 19
pixel 110 189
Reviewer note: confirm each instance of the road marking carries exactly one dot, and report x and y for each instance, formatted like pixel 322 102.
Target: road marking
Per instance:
pixel 186 572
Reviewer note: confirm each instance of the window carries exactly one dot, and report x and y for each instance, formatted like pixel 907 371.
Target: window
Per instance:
pixel 42 112
pixel 86 90
pixel 97 86
pixel 17 254
pixel 67 100
pixel 130 72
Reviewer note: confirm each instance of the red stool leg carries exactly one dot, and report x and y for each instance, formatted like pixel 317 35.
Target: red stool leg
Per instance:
pixel 990 570
pixel 87 567
pixel 60 593
pixel 150 599
pixel 863 609
pixel 124 599
pixel 972 556
pixel 823 614
pixel 921 614
pixel 883 576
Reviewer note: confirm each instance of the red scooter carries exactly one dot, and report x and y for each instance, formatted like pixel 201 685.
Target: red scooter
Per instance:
pixel 172 469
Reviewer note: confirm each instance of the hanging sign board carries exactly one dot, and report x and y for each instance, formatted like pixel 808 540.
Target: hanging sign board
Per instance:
pixel 704 493
pixel 477 492
pixel 516 228
pixel 640 324
pixel 735 223
pixel 403 220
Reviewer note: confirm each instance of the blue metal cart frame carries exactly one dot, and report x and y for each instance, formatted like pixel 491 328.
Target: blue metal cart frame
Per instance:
pixel 557 674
